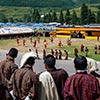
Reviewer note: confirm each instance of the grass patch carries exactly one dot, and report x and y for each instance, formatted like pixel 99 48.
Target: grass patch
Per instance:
pixel 70 50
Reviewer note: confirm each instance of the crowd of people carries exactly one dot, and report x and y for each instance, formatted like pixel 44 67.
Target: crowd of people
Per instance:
pixel 22 82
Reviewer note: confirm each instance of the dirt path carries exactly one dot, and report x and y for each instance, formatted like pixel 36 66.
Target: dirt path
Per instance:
pixel 40 46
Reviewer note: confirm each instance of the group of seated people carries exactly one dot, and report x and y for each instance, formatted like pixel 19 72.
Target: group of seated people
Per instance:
pixel 22 83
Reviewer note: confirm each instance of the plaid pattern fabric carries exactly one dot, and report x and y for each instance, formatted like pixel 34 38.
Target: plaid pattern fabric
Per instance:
pixel 26 83
pixel 81 86
pixel 59 76
pixel 7 68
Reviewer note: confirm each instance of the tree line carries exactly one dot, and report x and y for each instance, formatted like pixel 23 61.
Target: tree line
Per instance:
pixel 86 17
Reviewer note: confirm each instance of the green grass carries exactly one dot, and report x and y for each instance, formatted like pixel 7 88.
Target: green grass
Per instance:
pixel 90 55
pixel 5 42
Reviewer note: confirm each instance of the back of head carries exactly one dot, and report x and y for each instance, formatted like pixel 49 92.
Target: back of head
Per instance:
pixel 13 52
pixel 28 58
pixel 50 61
pixel 80 63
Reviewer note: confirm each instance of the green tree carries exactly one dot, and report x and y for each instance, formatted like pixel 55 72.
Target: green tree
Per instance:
pixel 74 18
pixel 3 18
pixel 26 18
pixel 35 16
pixel 11 19
pixel 84 14
pixel 67 17
pixel 61 17
pixel 54 16
pixel 98 17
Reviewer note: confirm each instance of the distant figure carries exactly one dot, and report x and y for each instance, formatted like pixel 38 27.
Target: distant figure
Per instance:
pixel 36 50
pixel 24 42
pixel 99 49
pixel 81 86
pixel 86 51
pixel 34 44
pixel 82 48
pixel 52 80
pixel 52 52
pixel 45 43
pixel 60 54
pixel 56 53
pixel 38 39
pixel 95 49
pixel 66 54
pixel 30 39
pixel 44 53
pixel 59 43
pixel 51 39
pixel 17 41
pixel 69 42
pixel 75 52
pixel 97 38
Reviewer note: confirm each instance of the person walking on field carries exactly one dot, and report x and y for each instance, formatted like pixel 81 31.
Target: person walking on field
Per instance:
pixel 86 51
pixel 52 80
pixel 7 69
pixel 66 54
pixel 24 42
pixel 75 52
pixel 26 82
pixel 95 49
pixel 81 86
pixel 82 48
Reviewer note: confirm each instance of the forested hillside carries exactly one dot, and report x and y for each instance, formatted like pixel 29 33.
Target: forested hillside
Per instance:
pixel 47 3
pixel 37 3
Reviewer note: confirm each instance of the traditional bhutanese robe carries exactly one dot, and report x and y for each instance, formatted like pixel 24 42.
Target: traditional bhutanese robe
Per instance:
pixel 81 86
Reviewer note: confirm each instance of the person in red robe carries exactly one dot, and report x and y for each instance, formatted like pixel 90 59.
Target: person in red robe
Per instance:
pixel 81 86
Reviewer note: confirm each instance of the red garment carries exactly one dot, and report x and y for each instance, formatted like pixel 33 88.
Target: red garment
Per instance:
pixel 25 83
pixel 75 51
pixel 59 76
pixel 81 86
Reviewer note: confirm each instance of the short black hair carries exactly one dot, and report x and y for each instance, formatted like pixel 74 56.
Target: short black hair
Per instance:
pixel 50 60
pixel 13 52
pixel 80 62
pixel 30 61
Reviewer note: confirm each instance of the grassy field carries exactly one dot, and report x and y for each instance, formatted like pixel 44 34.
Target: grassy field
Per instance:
pixel 7 44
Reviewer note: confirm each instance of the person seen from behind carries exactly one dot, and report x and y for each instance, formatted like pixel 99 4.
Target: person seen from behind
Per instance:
pixel 7 69
pixel 52 80
pixel 81 86
pixel 25 83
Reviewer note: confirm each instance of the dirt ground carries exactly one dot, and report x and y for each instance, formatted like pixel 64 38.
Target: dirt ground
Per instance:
pixel 40 46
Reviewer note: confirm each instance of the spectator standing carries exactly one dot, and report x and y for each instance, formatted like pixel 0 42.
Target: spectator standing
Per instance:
pixel 7 69
pixel 81 86
pixel 25 84
pixel 52 81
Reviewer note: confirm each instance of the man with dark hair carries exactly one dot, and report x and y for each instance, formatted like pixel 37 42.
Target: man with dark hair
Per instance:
pixel 7 68
pixel 81 86
pixel 25 83
pixel 58 77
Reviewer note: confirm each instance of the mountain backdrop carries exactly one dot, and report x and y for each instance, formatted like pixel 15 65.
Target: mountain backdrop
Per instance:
pixel 48 3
